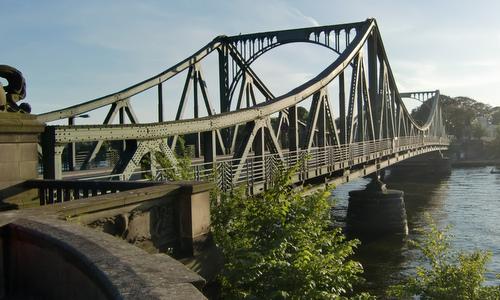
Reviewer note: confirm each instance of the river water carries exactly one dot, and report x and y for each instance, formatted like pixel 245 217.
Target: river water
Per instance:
pixel 468 200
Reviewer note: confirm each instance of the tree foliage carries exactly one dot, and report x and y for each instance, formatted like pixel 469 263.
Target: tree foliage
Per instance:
pixel 447 275
pixel 477 130
pixel 302 113
pixel 181 171
pixel 494 146
pixel 495 116
pixel 281 245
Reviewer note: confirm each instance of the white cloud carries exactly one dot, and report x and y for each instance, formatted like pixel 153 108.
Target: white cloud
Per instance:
pixel 309 19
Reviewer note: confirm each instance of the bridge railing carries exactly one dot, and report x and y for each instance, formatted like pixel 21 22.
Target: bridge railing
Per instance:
pixel 259 170
pixel 55 191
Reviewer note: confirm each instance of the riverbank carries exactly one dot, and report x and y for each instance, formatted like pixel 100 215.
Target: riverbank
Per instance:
pixel 475 163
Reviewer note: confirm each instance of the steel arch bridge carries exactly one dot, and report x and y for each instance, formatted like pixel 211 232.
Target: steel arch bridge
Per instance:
pixel 251 131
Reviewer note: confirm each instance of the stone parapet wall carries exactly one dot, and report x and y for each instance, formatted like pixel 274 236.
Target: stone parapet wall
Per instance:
pixel 54 259
pixel 44 242
pixel 173 217
pixel 50 258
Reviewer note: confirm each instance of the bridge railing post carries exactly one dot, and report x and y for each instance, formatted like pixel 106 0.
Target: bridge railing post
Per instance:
pixel 345 152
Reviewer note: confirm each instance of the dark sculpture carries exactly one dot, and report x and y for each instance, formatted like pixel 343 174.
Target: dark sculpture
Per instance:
pixel 14 91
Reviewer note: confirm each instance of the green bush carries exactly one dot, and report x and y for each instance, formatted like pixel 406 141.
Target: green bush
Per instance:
pixel 281 245
pixel 447 274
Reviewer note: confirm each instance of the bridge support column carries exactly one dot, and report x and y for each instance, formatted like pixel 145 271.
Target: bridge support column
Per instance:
pixel 376 211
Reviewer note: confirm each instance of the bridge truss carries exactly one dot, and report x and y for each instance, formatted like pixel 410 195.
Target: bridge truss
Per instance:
pixel 252 131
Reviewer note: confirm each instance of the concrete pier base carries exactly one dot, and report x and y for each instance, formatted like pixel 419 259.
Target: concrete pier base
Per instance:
pixel 376 211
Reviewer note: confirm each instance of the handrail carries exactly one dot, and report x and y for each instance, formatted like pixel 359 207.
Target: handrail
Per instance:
pixel 51 191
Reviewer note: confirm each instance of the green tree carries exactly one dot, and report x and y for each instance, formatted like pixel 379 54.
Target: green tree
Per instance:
pixel 183 170
pixel 494 146
pixel 281 245
pixel 458 113
pixel 495 116
pixel 447 275
pixel 302 113
pixel 477 130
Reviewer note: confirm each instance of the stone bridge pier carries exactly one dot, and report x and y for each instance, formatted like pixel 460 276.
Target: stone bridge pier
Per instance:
pixel 376 210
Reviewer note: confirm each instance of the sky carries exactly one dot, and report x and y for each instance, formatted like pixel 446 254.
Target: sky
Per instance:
pixel 75 51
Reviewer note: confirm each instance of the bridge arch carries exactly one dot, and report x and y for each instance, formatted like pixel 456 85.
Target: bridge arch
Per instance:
pixel 328 37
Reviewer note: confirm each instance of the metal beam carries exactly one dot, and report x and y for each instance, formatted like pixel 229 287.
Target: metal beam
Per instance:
pixel 71 149
pixel 272 141
pixel 331 120
pixel 293 129
pixel 352 99
pixel 342 107
pixel 313 119
pixel 368 106
pixel 160 102
pixel 209 147
pixel 241 153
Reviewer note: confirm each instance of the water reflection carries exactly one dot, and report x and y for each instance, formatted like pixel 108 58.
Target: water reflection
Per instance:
pixel 468 200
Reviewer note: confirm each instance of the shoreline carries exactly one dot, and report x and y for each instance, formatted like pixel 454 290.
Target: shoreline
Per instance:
pixel 475 163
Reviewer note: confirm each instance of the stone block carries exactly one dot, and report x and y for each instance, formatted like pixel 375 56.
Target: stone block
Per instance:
pixel 194 221
pixel 139 227
pixel 9 171
pixel 18 138
pixel 19 134
pixel 28 169
pixel 28 151
pixel 200 213
pixel 9 152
